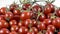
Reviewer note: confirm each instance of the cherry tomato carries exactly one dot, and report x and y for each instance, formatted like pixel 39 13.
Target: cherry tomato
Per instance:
pixel 13 22
pixel 58 32
pixel 26 6
pixel 31 33
pixel 36 8
pixel 13 32
pixel 4 31
pixel 49 32
pixel 41 26
pixel 8 15
pixel 56 22
pixel 51 27
pixel 22 30
pixel 58 12
pixel 13 6
pixel 25 15
pixel 34 29
pixel 42 17
pixel 20 24
pixel 16 12
pixel 2 17
pixel 47 10
pixel 47 21
pixel 3 24
pixel 14 28
pixel 3 10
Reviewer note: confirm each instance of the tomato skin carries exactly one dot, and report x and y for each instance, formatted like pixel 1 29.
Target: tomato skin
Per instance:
pixel 58 12
pixel 22 30
pixel 13 32
pixel 56 22
pixel 25 15
pixel 3 10
pixel 49 32
pixel 51 27
pixel 13 22
pixel 41 26
pixel 4 31
pixel 26 6
pixel 3 24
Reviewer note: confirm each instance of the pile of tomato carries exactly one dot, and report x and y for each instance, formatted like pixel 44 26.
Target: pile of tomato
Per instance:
pixel 30 19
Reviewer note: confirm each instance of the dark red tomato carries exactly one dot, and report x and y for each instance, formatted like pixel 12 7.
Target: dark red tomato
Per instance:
pixel 41 26
pixel 58 32
pixel 3 24
pixel 27 23
pixel 8 15
pixel 13 6
pixel 4 31
pixel 2 17
pixel 51 27
pixel 34 23
pixel 42 17
pixel 3 10
pixel 58 12
pixel 16 12
pixel 56 22
pixel 16 17
pixel 49 15
pixel 14 28
pixel 47 10
pixel 22 30
pixel 31 33
pixel 13 32
pixel 20 24
pixel 26 6
pixel 25 15
pixel 47 21
pixel 34 29
pixel 52 6
pixel 49 32
pixel 13 22
pixel 36 8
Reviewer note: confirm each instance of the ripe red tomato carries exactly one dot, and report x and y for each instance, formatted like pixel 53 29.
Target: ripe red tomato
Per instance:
pixel 3 10
pixel 4 31
pixel 51 27
pixel 56 22
pixel 25 15
pixel 13 32
pixel 58 12
pixel 3 24
pixel 22 30
pixel 26 6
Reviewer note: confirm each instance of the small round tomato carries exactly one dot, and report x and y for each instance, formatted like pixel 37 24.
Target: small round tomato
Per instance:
pixel 42 17
pixel 47 10
pixel 31 33
pixel 16 12
pixel 56 22
pixel 8 15
pixel 26 6
pixel 20 24
pixel 3 24
pixel 13 6
pixel 27 23
pixel 13 32
pixel 4 31
pixel 2 17
pixel 51 27
pixel 3 10
pixel 58 32
pixel 13 22
pixel 49 32
pixel 25 15
pixel 14 28
pixel 34 29
pixel 22 30
pixel 47 21
pixel 36 8
pixel 41 26
pixel 58 12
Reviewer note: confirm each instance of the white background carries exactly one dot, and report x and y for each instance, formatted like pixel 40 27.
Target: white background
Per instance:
pixel 4 3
